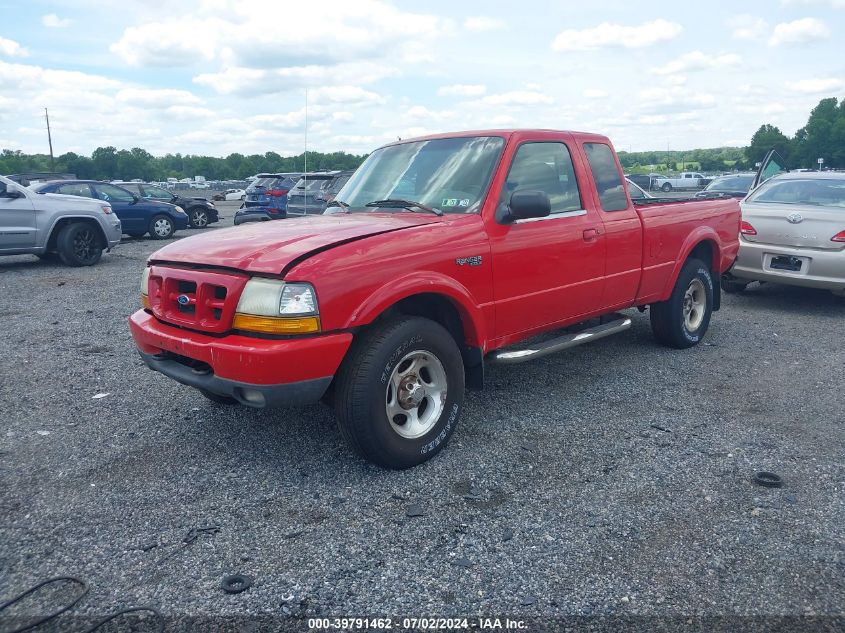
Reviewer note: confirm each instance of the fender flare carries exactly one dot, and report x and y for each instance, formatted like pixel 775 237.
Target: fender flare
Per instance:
pixel 63 218
pixel 699 235
pixel 424 282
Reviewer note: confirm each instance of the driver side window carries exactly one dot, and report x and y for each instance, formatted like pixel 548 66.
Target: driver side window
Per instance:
pixel 77 189
pixel 110 193
pixel 157 193
pixel 545 167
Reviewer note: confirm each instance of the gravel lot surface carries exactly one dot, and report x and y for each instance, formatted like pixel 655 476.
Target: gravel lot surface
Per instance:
pixel 613 479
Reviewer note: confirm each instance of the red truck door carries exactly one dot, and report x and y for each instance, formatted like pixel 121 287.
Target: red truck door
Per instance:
pixel 551 269
pixel 623 228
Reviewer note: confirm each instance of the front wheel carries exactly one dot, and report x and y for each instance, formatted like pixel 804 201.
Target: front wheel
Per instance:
pixel 682 320
pixel 161 227
pixel 79 244
pixel 399 392
pixel 666 187
pixel 198 218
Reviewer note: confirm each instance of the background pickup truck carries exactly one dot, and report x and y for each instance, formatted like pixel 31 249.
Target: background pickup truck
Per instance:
pixel 439 255
pixel 77 230
pixel 684 180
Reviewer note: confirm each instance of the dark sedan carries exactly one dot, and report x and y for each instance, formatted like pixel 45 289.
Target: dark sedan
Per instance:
pixel 200 211
pixel 732 185
pixel 137 215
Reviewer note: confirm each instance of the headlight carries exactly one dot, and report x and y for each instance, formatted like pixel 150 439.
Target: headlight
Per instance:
pixel 145 284
pixel 180 210
pixel 106 208
pixel 276 307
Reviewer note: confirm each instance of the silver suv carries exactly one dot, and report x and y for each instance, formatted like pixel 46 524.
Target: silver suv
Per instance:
pixel 75 229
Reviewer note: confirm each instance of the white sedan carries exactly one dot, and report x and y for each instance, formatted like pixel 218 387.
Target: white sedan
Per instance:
pixel 231 194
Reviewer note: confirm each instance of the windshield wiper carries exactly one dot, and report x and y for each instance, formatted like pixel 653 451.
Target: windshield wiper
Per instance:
pixel 403 204
pixel 337 203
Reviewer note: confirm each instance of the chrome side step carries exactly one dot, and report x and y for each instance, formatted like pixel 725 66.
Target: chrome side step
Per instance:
pixel 560 343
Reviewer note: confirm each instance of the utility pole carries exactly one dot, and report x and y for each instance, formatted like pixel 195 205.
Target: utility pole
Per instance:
pixel 50 141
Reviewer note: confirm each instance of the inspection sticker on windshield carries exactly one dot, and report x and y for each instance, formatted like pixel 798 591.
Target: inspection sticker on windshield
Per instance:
pixel 455 202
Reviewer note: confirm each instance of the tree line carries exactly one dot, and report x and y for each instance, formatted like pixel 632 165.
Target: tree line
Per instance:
pixel 109 163
pixel 822 137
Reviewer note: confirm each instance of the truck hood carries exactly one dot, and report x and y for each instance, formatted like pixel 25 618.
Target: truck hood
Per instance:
pixel 271 247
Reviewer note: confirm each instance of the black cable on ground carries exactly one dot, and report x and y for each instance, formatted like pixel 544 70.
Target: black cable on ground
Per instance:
pixel 109 618
pixel 49 617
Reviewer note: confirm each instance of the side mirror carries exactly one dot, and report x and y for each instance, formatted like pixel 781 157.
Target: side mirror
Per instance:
pixel 10 192
pixel 525 204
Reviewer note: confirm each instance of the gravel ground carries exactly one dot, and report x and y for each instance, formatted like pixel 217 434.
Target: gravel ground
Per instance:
pixel 613 479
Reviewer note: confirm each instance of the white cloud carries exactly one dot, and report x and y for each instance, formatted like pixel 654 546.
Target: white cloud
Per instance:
pixel 607 35
pixel 482 23
pixel 659 100
pixel 348 95
pixel 365 29
pixel 343 117
pixel 517 97
pixel 593 93
pixel 10 48
pixel 817 86
pixel 421 113
pixel 52 21
pixel 164 98
pixel 259 81
pixel 801 31
pixel 462 90
pixel 833 4
pixel 696 60
pixel 748 27
pixel 188 113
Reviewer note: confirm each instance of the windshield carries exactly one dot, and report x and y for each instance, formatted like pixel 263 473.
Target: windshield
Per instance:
pixel 816 191
pixel 731 183
pixel 448 174
pixel 311 184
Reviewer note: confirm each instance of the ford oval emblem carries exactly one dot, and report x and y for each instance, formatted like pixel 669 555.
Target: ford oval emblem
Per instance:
pixel 795 218
pixel 183 300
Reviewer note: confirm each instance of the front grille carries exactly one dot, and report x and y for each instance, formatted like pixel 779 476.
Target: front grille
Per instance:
pixel 200 300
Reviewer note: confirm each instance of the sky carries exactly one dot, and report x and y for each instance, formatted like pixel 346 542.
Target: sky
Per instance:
pixel 214 77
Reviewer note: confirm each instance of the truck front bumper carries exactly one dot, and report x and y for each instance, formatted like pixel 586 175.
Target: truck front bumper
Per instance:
pixel 254 371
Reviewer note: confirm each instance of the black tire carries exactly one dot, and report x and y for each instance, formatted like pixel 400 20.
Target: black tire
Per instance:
pixel 198 218
pixel 733 286
pixel 243 197
pixel 79 244
pixel 669 321
pixel 161 227
pixel 666 187
pixel 363 390
pixel 216 397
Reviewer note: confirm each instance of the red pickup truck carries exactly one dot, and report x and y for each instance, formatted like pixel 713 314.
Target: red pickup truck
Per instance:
pixel 440 254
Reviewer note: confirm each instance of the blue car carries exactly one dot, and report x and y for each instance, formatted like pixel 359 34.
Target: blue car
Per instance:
pixel 138 216
pixel 266 198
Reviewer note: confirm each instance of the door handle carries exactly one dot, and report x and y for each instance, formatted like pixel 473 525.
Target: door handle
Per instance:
pixel 591 235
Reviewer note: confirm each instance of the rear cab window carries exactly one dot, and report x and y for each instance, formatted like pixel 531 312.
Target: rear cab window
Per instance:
pixel 607 177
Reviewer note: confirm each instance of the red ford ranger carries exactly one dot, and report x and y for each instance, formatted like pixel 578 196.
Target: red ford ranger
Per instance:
pixel 439 255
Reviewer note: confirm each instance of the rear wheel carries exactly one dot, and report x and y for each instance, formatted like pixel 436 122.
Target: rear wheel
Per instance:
pixel 161 227
pixel 682 320
pixel 666 187
pixel 79 244
pixel 198 218
pixel 399 392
